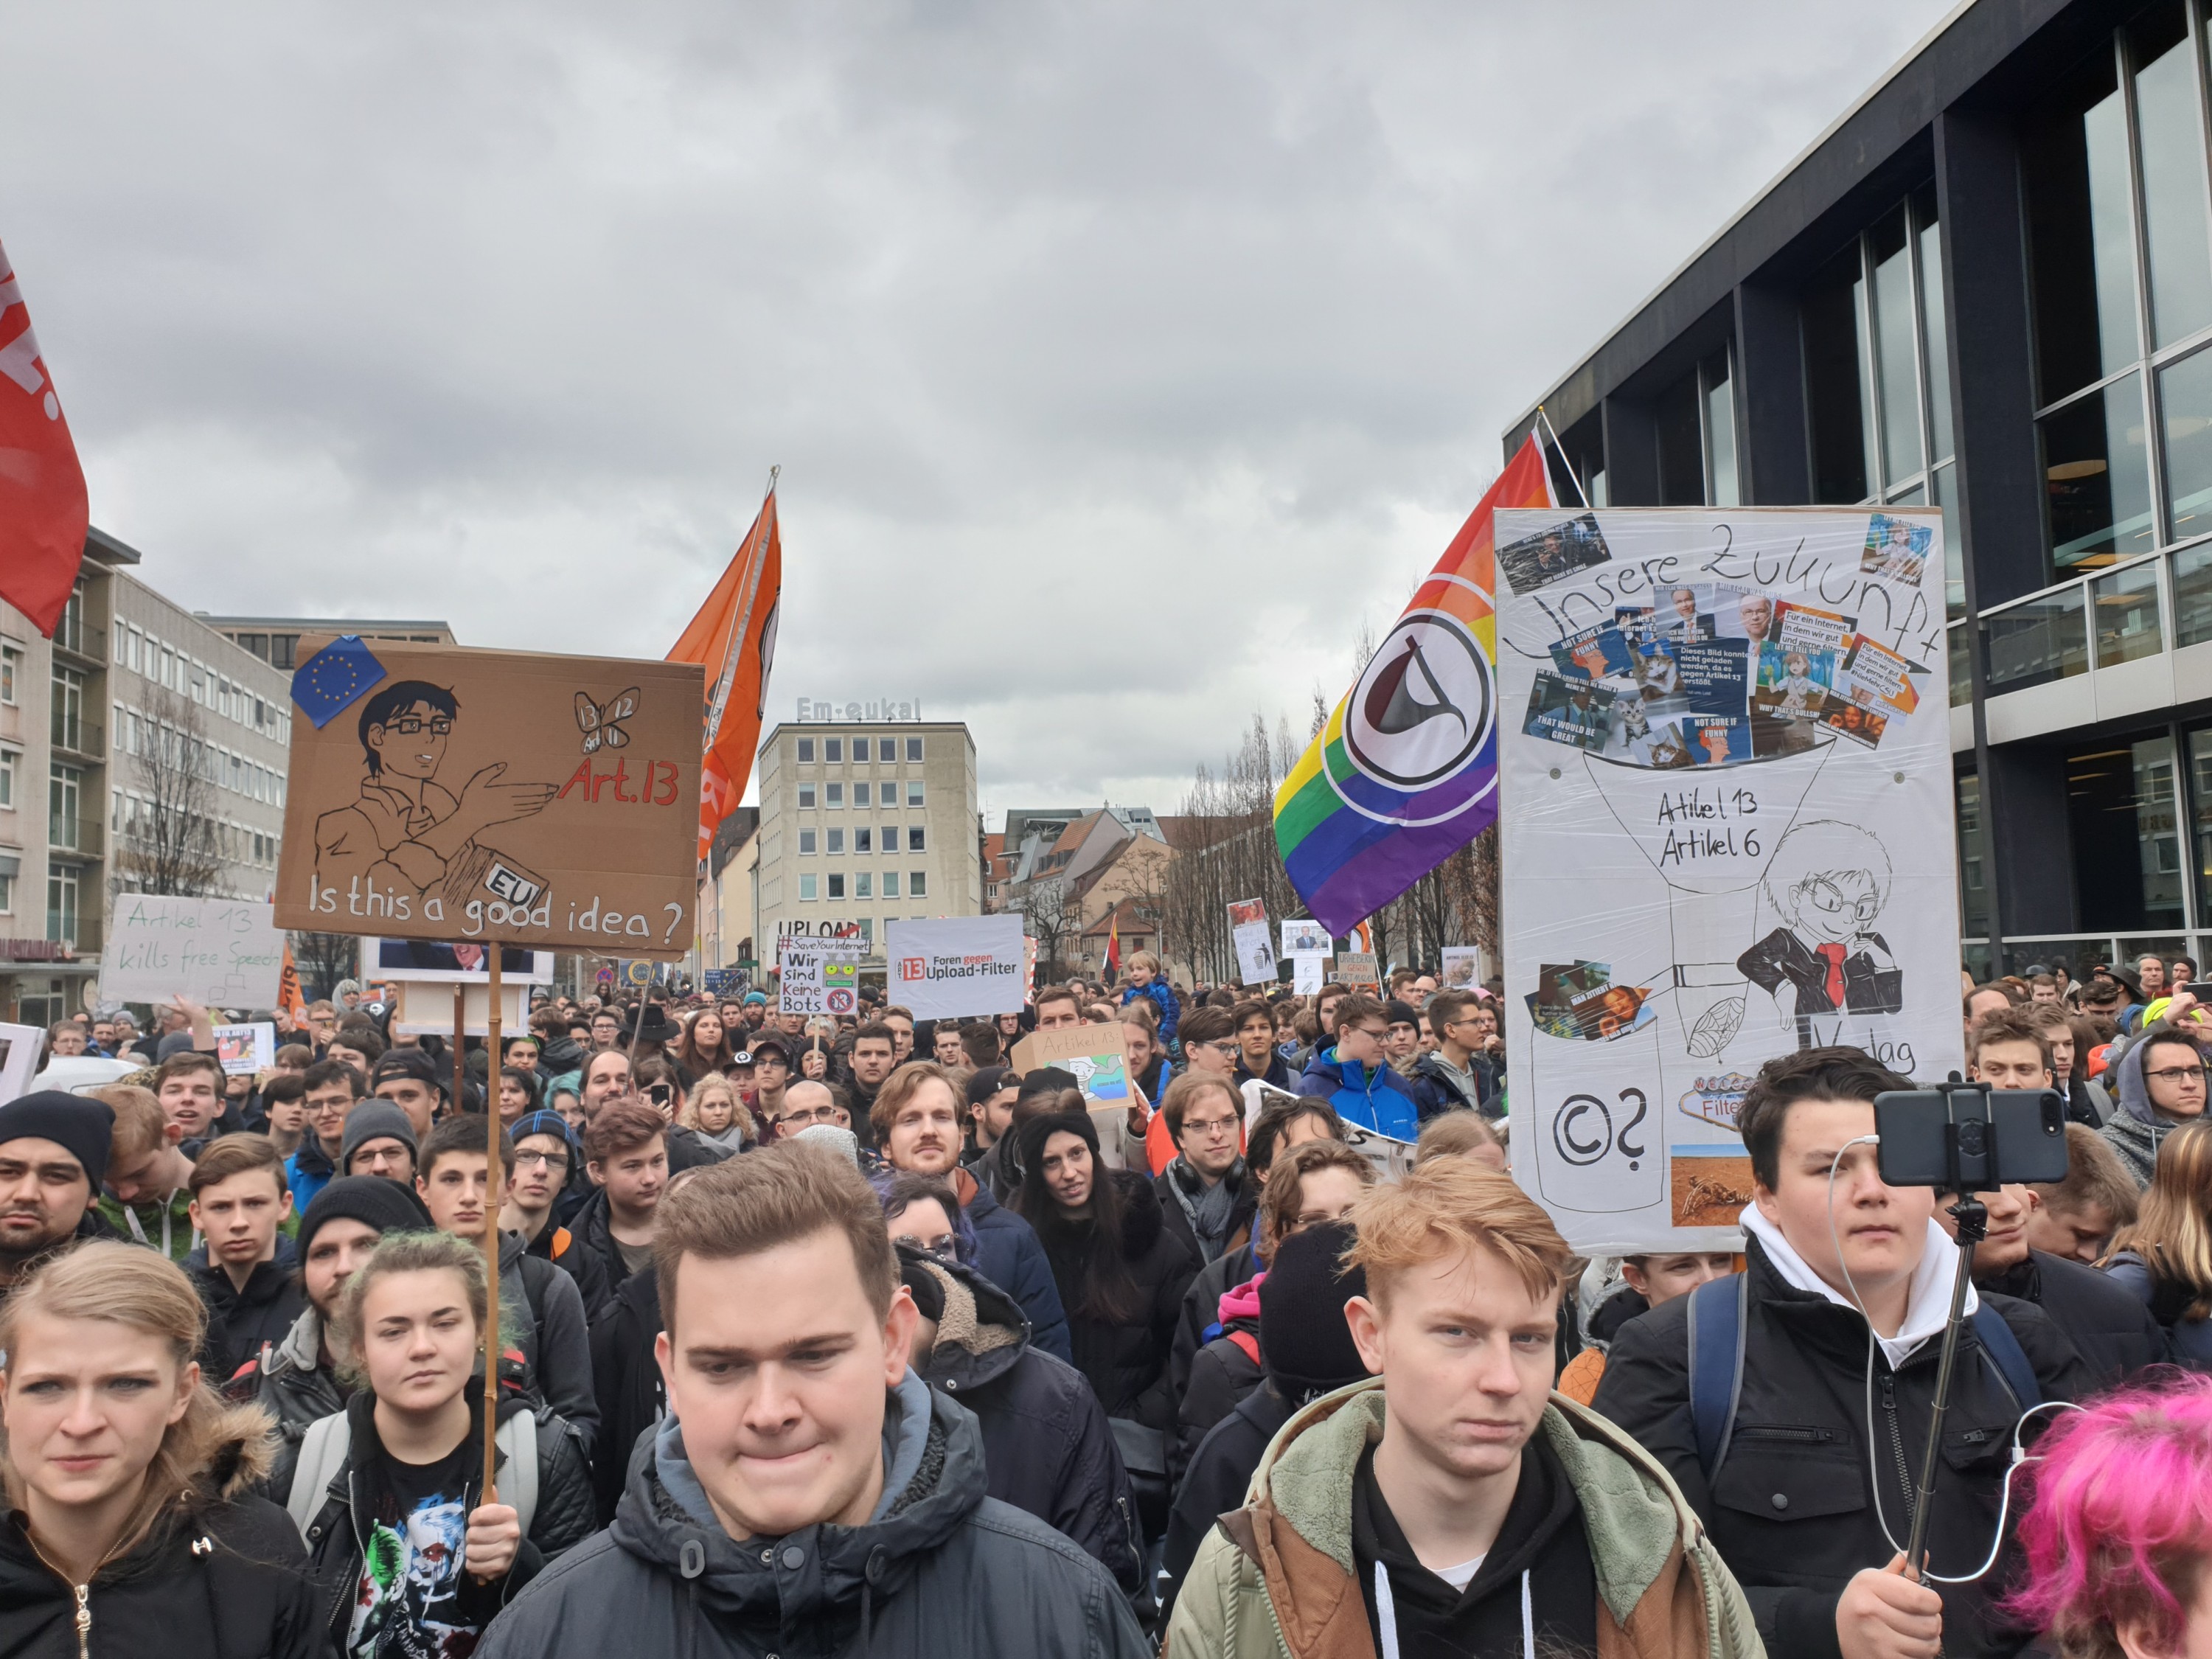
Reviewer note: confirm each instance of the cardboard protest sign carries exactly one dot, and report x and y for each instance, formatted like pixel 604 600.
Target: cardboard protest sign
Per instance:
pixel 1359 969
pixel 819 975
pixel 218 952
pixel 1092 1052
pixel 246 1049
pixel 953 967
pixel 439 792
pixel 421 1008
pixel 1758 862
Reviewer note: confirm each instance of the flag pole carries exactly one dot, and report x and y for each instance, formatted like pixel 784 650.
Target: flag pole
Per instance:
pixel 491 1228
pixel 1562 448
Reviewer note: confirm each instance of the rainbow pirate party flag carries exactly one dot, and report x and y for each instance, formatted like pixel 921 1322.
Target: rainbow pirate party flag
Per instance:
pixel 1405 773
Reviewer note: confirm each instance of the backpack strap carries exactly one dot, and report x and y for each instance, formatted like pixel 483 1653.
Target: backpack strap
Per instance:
pixel 517 1440
pixel 2007 1356
pixel 1246 1342
pixel 323 1452
pixel 1716 1341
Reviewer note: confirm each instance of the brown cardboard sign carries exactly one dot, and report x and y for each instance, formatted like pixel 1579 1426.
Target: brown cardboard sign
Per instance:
pixel 462 794
pixel 1093 1052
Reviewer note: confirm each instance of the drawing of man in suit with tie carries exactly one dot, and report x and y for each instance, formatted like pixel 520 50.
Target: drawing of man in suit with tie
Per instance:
pixel 1827 882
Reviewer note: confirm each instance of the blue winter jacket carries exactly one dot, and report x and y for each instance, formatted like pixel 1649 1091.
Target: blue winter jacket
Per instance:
pixel 1163 998
pixel 1379 1100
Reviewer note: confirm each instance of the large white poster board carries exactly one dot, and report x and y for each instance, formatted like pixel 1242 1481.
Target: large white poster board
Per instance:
pixel 219 952
pixel 955 967
pixel 1728 822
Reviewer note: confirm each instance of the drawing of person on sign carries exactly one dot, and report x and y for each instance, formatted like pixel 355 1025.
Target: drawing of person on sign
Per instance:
pixel 1826 886
pixel 407 831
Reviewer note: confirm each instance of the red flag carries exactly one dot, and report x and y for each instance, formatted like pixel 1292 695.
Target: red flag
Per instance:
pixel 733 636
pixel 43 514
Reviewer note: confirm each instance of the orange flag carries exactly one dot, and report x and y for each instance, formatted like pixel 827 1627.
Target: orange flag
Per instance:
pixel 288 988
pixel 733 636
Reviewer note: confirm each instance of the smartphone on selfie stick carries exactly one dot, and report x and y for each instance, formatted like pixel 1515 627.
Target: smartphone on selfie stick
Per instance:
pixel 1963 1138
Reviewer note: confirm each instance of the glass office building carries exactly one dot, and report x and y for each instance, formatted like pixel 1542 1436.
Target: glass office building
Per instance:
pixel 1987 288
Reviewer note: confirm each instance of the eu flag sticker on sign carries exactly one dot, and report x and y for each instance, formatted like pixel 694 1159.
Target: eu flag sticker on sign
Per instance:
pixel 331 679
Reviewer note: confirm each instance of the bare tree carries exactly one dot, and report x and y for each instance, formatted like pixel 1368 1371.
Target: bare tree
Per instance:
pixel 324 959
pixel 1049 916
pixel 171 841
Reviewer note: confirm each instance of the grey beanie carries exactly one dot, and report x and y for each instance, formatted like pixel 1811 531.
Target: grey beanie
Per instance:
pixel 374 1120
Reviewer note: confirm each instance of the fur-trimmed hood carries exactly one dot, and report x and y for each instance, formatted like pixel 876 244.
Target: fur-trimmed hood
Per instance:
pixel 246 1450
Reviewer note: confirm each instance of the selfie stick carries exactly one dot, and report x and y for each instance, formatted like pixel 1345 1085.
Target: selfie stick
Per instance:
pixel 1973 1220
pixel 492 1225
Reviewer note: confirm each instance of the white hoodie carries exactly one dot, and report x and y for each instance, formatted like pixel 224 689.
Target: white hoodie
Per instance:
pixel 1925 1310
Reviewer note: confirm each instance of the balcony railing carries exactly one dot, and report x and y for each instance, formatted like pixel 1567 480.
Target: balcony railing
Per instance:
pixel 83 739
pixel 2100 619
pixel 82 838
pixel 81 933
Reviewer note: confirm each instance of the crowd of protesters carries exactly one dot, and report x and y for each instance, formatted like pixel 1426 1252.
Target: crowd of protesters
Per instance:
pixel 819 1336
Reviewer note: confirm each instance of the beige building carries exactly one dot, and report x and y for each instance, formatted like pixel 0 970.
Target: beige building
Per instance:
pixel 863 822
pixel 98 729
pixel 275 639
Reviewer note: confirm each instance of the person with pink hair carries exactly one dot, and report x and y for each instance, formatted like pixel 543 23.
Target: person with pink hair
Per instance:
pixel 2119 1534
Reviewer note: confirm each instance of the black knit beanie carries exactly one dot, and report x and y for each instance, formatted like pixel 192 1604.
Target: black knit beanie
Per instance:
pixel 84 1127
pixel 370 1199
pixel 1303 1336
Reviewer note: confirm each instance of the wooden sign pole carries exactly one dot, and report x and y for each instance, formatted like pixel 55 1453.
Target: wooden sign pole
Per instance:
pixel 491 1226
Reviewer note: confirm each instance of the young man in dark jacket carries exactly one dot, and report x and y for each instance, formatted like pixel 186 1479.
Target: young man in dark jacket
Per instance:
pixel 541 1319
pixel 1809 1513
pixel 809 1494
pixel 300 1381
pixel 1046 1448
pixel 244 1272
pixel 1207 1192
pixel 1258 1059
pixel 1450 1076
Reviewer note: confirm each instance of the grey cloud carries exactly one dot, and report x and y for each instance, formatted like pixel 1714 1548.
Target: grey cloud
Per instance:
pixel 1122 359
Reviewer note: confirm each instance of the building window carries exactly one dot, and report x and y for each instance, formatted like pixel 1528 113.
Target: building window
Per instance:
pixel 864 839
pixel 7 869
pixel 836 886
pixel 2120 255
pixel 806 797
pixel 864 882
pixel 2126 831
pixel 891 838
pixel 890 884
pixel 859 794
pixel 283 649
pixel 836 841
pixel 836 796
pixel 917 841
pixel 833 750
pixel 2200 798
pixel 805 843
pixel 7 759
pixel 1878 377
pixel 805 750
pixel 914 749
pixel 61 905
pixel 11 664
pixel 806 888
pixel 64 792
pixel 917 884
pixel 914 792
pixel 1695 422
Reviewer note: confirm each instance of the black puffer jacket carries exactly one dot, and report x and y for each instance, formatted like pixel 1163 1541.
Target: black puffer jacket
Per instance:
pixel 241 1322
pixel 296 1389
pixel 1791 1507
pixel 627 1380
pixel 1128 1362
pixel 1202 1308
pixel 1046 1448
pixel 563 1517
pixel 1221 1376
pixel 221 1577
pixel 2116 1335
pixel 946 1572
pixel 1215 1482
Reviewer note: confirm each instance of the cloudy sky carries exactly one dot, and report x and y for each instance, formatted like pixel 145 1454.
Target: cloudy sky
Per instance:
pixel 1121 358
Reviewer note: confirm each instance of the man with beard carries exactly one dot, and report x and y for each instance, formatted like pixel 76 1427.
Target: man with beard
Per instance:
pixel 53 1156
